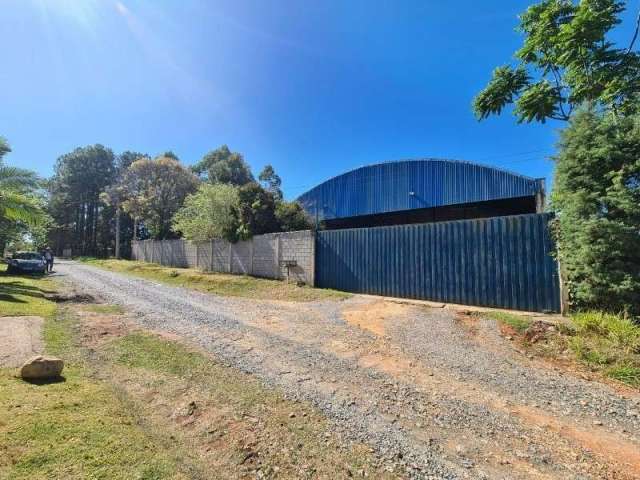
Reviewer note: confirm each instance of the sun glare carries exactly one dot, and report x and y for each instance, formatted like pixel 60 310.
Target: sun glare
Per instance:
pixel 85 13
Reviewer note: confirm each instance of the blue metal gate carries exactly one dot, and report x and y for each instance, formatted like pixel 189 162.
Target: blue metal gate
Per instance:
pixel 501 262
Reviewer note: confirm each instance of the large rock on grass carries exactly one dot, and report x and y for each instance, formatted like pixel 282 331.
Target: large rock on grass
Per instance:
pixel 41 368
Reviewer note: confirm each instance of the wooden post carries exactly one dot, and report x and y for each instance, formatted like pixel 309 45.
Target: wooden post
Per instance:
pixel 564 293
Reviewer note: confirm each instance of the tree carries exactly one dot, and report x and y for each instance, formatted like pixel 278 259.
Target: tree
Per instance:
pixel 256 211
pixel 291 217
pixel 21 210
pixel 126 158
pixel 223 166
pixel 566 61
pixel 80 177
pixel 16 186
pixel 271 181
pixel 597 200
pixel 122 227
pixel 154 190
pixel 170 154
pixel 209 213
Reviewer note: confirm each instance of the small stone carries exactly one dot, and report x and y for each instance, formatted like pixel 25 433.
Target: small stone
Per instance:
pixel 41 368
pixel 467 463
pixel 292 415
pixel 598 423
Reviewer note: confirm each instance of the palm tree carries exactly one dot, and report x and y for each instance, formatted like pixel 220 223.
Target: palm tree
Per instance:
pixel 16 184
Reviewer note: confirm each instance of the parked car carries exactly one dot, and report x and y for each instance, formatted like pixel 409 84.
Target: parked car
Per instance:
pixel 26 262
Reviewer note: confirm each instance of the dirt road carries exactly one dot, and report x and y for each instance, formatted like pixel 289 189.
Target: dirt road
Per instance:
pixel 432 395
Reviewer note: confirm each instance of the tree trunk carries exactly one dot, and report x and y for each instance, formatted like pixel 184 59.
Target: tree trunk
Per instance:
pixel 117 252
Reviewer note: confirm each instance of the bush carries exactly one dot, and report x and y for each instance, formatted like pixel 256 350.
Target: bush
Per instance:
pixel 626 373
pixel 209 213
pixel 623 333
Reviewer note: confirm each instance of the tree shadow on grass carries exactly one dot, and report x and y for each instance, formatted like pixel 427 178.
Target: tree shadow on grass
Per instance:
pixel 10 298
pixel 9 291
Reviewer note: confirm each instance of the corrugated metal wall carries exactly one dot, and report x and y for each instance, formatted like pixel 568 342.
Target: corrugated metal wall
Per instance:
pixel 497 262
pixel 386 187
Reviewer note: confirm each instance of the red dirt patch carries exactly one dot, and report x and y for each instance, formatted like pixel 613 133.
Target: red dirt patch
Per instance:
pixel 374 316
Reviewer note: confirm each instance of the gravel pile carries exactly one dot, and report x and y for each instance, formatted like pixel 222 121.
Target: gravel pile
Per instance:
pixel 423 426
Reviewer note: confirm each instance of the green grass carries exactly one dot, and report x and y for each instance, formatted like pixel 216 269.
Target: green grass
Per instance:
pixel 626 373
pixel 517 322
pixel 148 352
pixel 140 350
pixel 620 333
pixel 78 428
pixel 219 283
pixel 608 343
pixel 105 309
pixel 74 429
pixel 24 295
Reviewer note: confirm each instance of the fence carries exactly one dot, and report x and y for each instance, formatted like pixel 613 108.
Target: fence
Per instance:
pixel 497 262
pixel 275 255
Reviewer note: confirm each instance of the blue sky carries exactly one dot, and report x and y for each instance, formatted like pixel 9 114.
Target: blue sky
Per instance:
pixel 313 87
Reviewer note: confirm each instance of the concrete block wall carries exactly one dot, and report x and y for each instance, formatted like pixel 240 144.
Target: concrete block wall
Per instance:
pixel 191 252
pixel 265 256
pixel 203 255
pixel 262 256
pixel 220 256
pixel 241 253
pixel 300 248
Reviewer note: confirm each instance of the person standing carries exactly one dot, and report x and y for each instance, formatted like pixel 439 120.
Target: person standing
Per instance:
pixel 48 258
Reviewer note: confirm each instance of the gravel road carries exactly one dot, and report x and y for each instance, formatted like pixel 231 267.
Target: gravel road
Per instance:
pixel 431 396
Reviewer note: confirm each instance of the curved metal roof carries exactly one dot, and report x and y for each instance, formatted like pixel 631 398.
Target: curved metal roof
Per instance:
pixel 412 184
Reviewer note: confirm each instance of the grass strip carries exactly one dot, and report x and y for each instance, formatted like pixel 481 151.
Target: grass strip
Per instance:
pixel 218 283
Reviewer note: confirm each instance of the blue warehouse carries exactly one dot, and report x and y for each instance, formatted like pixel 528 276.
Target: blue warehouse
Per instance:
pixel 418 191
pixel 441 230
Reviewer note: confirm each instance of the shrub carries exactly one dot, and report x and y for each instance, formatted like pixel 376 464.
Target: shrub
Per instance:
pixel 626 373
pixel 209 213
pixel 623 333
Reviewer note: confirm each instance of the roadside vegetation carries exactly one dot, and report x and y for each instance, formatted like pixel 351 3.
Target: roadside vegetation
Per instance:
pixel 517 322
pixel 571 68
pixel 136 405
pixel 76 428
pixel 603 343
pixel 218 283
